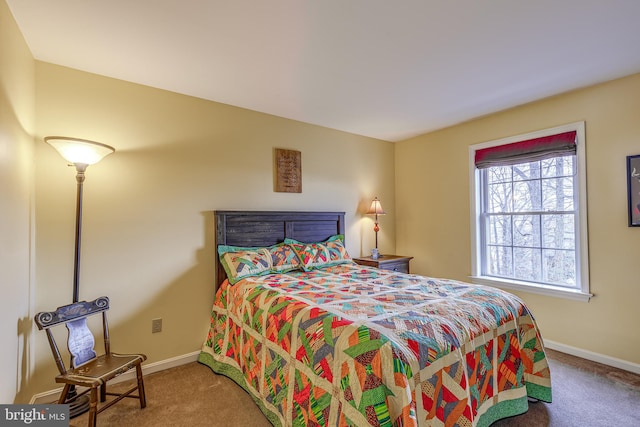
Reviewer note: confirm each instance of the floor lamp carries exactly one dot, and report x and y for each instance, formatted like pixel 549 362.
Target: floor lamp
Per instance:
pixel 79 153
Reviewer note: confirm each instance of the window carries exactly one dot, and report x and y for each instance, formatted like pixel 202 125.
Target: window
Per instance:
pixel 529 213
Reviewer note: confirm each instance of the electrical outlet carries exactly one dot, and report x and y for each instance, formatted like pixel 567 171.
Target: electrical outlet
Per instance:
pixel 156 325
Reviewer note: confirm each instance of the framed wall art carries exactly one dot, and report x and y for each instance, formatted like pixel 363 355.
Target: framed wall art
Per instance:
pixel 633 189
pixel 288 165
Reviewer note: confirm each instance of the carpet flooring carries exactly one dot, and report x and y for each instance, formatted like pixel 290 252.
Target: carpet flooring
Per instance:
pixel 585 393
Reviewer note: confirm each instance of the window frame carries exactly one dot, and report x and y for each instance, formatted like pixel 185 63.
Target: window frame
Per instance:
pixel 582 290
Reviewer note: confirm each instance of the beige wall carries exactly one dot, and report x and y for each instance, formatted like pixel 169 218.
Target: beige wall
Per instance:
pixel 433 221
pixel 148 223
pixel 16 182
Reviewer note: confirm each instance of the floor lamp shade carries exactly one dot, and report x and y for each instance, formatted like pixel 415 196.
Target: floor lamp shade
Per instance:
pixel 79 151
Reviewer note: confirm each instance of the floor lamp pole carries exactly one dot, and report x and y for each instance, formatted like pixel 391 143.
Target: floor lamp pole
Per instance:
pixel 76 261
pixel 81 404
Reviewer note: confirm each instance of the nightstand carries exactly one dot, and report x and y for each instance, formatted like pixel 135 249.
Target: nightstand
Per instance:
pixel 397 263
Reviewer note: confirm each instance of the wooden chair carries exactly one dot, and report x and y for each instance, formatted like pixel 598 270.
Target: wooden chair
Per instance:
pixel 87 368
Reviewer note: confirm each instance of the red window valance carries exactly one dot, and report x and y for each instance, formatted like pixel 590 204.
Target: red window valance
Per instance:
pixel 562 144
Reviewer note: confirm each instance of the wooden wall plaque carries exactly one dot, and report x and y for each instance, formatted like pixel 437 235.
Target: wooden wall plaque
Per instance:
pixel 288 171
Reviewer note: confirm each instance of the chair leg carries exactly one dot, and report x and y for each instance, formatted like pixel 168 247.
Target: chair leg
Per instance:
pixel 63 395
pixel 143 398
pixel 93 407
pixel 103 392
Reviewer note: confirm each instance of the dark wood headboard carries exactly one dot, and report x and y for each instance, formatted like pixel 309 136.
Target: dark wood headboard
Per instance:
pixel 266 228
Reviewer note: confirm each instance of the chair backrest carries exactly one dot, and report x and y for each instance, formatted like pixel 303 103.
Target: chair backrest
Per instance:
pixel 80 341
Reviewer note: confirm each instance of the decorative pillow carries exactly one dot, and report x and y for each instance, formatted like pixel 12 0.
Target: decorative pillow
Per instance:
pixel 283 258
pixel 244 262
pixel 321 254
pixel 241 262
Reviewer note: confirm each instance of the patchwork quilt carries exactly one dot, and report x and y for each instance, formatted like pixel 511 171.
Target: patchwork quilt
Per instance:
pixel 355 346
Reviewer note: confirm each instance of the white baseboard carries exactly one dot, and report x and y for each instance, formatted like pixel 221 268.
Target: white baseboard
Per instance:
pixel 595 357
pixel 52 395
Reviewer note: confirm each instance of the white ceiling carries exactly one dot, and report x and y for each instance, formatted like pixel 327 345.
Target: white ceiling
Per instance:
pixel 379 68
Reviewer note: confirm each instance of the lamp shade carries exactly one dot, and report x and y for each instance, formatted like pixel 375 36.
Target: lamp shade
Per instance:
pixel 376 208
pixel 79 151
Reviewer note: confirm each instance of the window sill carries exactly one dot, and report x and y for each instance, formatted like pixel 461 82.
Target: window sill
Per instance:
pixel 572 294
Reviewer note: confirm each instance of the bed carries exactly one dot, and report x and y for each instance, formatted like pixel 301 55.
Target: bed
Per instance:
pixel 327 342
